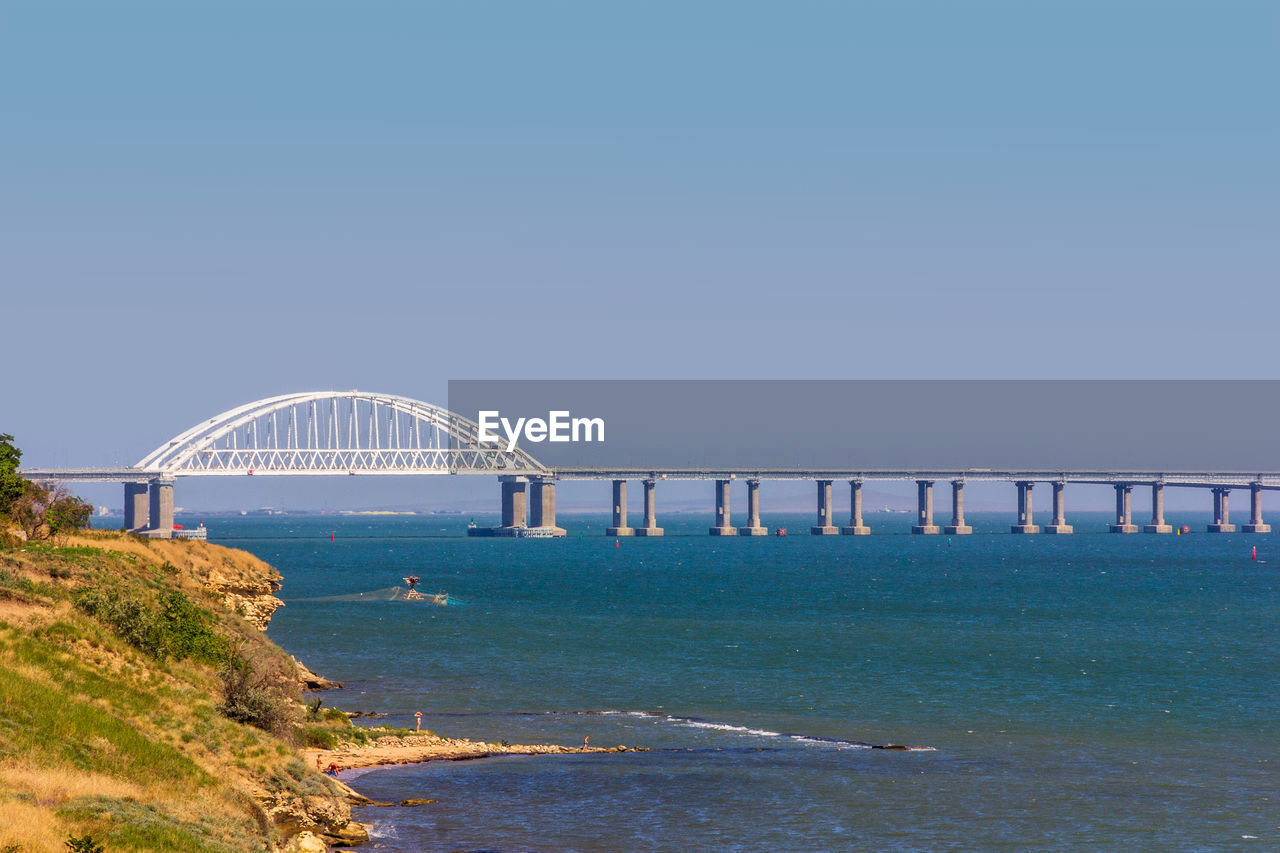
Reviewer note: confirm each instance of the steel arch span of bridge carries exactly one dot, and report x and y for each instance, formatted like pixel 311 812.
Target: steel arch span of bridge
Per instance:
pixel 335 432
pixel 312 433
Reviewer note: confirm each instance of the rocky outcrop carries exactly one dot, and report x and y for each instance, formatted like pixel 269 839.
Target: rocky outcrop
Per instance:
pixel 417 748
pixel 253 597
pixel 326 816
pixel 310 681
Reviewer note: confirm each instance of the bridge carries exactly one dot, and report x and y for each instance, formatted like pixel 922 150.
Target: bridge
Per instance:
pixel 359 433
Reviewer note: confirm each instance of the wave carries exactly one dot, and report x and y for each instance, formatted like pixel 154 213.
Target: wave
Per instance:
pixel 750 731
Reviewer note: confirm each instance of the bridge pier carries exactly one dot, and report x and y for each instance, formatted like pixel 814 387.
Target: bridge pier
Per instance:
pixel 620 527
pixel 754 527
pixel 957 527
pixel 1221 514
pixel 924 502
pixel 1059 525
pixel 651 527
pixel 160 514
pixel 137 509
pixel 1256 524
pixel 1026 518
pixel 542 507
pixel 1124 510
pixel 513 501
pixel 826 522
pixel 723 527
pixel 1157 524
pixel 856 527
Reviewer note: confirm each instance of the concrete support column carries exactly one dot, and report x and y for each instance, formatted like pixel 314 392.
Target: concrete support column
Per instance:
pixel 856 527
pixel 1026 516
pixel 826 522
pixel 160 520
pixel 723 527
pixel 957 527
pixel 542 504
pixel 1256 524
pixel 1157 524
pixel 137 512
pixel 1221 514
pixel 651 527
pixel 513 501
pixel 924 502
pixel 754 527
pixel 1059 525
pixel 1124 510
pixel 620 527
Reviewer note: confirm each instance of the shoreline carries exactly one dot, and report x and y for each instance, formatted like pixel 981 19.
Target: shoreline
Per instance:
pixel 423 748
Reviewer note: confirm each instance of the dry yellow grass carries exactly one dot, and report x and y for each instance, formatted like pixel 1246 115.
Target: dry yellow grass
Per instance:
pixel 59 784
pixel 34 828
pixel 201 560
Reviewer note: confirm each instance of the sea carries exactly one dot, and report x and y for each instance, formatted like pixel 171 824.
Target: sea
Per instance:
pixel 1083 692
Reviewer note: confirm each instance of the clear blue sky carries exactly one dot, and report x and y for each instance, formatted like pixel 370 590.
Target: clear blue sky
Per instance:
pixel 206 203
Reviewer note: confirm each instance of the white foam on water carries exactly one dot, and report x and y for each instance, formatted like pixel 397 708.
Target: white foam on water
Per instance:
pixel 745 731
pixel 723 727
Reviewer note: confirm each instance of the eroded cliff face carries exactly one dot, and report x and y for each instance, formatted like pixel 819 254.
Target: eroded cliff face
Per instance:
pixel 324 814
pixel 246 584
pixel 257 603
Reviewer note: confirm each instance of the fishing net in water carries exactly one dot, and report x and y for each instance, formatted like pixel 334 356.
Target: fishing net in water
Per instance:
pixel 391 593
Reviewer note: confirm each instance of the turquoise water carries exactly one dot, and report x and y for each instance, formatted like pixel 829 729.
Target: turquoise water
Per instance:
pixel 1091 691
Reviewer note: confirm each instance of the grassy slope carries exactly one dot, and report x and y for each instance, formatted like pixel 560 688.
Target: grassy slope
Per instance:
pixel 97 737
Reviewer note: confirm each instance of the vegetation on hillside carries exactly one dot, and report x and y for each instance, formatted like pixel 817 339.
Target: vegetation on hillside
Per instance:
pixel 39 511
pixel 138 711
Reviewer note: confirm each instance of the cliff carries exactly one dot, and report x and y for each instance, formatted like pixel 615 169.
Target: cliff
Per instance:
pixel 130 674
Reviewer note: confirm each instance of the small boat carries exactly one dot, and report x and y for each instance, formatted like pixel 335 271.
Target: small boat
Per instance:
pixel 191 532
pixel 1184 529
pixel 781 531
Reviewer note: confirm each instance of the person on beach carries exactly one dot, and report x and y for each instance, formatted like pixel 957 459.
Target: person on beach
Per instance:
pixel 585 740
pixel 418 714
pixel 331 770
pixel 317 762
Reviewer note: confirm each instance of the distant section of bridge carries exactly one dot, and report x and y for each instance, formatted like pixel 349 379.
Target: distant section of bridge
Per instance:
pixel 358 433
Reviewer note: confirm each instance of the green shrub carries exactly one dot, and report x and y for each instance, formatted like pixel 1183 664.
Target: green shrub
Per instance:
pixel 189 633
pixel 253 693
pixel 335 715
pixel 179 630
pixel 318 737
pixel 83 844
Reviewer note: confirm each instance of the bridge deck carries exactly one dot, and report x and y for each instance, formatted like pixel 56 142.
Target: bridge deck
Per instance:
pixel 1201 479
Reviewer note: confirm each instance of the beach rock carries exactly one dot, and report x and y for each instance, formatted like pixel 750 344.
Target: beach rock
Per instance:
pixel 352 833
pixel 310 681
pixel 417 801
pixel 352 796
pixel 305 842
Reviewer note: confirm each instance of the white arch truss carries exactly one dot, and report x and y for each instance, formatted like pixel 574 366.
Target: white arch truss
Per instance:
pixel 336 432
